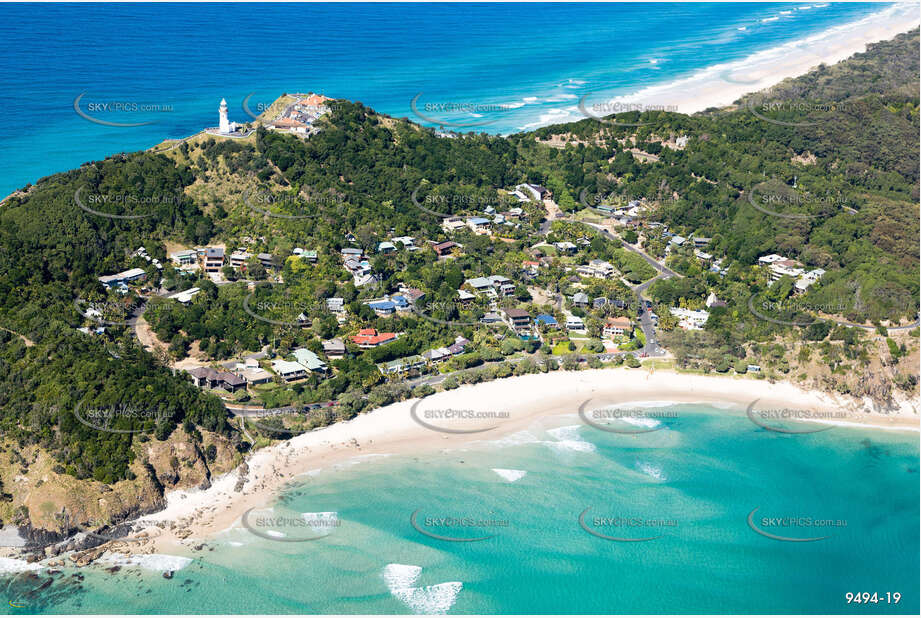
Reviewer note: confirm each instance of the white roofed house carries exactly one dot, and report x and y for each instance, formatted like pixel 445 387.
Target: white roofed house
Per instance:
pixel 122 278
pixel 310 360
pixel 184 258
pixel 451 224
pixel 239 258
pixel 803 283
pixel 689 319
pixel 784 268
pixel 479 225
pixel 186 296
pixel 289 370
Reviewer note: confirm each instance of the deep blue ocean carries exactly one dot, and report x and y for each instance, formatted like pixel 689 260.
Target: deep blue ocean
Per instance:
pixel 170 64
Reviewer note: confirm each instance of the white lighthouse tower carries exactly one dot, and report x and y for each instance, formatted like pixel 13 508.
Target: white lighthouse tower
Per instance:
pixel 224 126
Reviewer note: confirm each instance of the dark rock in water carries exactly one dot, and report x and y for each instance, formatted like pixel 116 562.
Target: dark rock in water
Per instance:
pixel 114 569
pixel 167 575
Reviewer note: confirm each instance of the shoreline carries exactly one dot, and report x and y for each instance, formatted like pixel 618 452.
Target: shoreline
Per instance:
pixel 199 515
pixel 722 84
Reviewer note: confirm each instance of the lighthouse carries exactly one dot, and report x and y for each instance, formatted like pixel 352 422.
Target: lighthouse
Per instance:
pixel 224 126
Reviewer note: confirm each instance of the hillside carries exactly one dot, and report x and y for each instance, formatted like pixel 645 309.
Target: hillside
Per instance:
pixel 833 188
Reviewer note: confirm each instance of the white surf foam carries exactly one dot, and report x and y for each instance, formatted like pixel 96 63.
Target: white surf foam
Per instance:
pixel 14 565
pixel 510 475
pixel 437 599
pixel 640 421
pixel 149 562
pixel 652 470
pixel 568 438
pixel 401 575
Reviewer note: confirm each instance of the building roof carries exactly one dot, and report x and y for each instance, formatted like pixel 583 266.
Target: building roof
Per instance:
pixel 214 252
pixel 370 336
pixel 333 345
pixel 620 322
pixel 308 359
pixel 284 367
pixel 546 318
pixel 516 313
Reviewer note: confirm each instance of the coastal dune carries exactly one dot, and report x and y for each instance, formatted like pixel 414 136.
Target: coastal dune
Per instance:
pixel 488 411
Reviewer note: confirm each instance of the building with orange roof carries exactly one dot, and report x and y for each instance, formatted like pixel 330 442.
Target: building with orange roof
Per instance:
pixel 368 338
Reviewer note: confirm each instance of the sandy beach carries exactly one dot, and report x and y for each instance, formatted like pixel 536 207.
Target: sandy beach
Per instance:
pixel 721 85
pixel 503 407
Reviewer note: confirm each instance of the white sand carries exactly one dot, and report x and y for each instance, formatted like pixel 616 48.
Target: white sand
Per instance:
pixel 722 84
pixel 524 399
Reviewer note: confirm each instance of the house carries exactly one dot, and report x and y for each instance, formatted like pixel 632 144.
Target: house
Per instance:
pixel 802 284
pixel 386 247
pixel 565 246
pixel 546 319
pixel 123 278
pixel 184 258
pixel 351 252
pixel 677 241
pixel 413 295
pixel 368 338
pixel 238 259
pixel 754 368
pixel 521 197
pixel 186 296
pixel 206 377
pixel 408 242
pixel 491 317
pixel 700 241
pixel 537 192
pixel 479 225
pixel 436 355
pixel 452 224
pixel 266 259
pixel 256 376
pixel 770 259
pixel 401 365
pixel 214 259
pixel 494 286
pixel 400 302
pixel 784 268
pixel 574 322
pixel 289 370
pixel 334 348
pixel 310 255
pixel 444 248
pixel 310 360
pixel 580 299
pixel 702 256
pixel 599 302
pixel 518 319
pixel 689 319
pixel 460 344
pixel 598 269
pixel 617 327
pixel 382 308
pixel 465 298
pixel 335 305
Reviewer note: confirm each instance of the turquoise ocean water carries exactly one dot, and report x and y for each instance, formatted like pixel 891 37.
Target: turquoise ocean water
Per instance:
pixel 692 485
